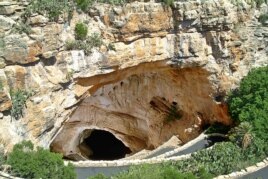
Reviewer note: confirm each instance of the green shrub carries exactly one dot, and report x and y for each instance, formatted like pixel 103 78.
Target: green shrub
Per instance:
pixel 22 28
pixel 156 172
pixel 263 18
pixel 111 47
pixel 95 40
pixel 86 45
pixel 250 101
pixel 80 31
pixel 241 135
pixel 83 4
pixel 19 98
pixel 221 159
pixel 1 86
pixel 78 45
pixel 2 159
pixel 168 2
pixel 27 163
pixel 116 2
pixel 98 176
pixel 248 105
pixel 259 2
pixel 255 152
pixel 51 8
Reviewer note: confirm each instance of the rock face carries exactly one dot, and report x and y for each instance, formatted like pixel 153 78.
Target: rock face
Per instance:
pixel 137 108
pixel 168 75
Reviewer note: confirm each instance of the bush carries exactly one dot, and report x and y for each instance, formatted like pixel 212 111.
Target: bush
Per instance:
pixel 248 105
pixel 263 18
pixel 86 45
pixel 22 28
pixel 221 159
pixel 241 135
pixel 157 172
pixel 98 176
pixel 255 152
pixel 83 4
pixel 78 45
pixel 259 2
pixel 95 40
pixel 116 2
pixel 19 98
pixel 250 102
pixel 2 158
pixel 168 2
pixel 1 86
pixel 80 31
pixel 27 163
pixel 52 8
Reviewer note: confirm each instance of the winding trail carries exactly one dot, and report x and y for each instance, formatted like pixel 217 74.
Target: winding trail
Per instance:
pixel 164 154
pixel 109 168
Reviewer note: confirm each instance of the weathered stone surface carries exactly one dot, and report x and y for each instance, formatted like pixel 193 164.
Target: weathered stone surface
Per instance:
pixel 140 122
pixel 38 20
pixel 51 41
pixel 5 102
pixel 7 9
pixel 6 23
pixel 17 51
pixel 2 62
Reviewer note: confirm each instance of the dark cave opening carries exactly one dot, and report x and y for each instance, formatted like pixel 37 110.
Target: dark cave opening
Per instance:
pixel 105 146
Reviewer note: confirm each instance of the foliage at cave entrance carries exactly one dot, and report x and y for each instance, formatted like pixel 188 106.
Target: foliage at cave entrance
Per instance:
pixel 250 102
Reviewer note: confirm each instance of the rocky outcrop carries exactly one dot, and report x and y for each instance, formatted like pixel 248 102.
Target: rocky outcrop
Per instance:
pixel 189 56
pixel 136 106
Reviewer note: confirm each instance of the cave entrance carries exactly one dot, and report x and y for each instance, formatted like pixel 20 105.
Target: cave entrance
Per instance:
pixel 103 145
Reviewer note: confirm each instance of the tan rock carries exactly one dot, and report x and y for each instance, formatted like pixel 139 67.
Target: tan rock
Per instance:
pixel 7 9
pixel 128 101
pixel 16 77
pixel 38 20
pixel 6 23
pixel 17 51
pixel 51 33
pixel 5 102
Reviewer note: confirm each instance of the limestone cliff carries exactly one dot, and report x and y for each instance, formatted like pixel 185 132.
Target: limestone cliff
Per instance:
pixel 188 56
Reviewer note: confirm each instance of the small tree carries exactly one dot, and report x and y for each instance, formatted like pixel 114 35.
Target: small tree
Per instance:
pixel 80 31
pixel 83 4
pixel 250 101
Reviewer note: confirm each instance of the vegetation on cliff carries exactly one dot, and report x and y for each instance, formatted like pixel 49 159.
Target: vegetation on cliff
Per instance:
pixel 19 98
pixel 250 102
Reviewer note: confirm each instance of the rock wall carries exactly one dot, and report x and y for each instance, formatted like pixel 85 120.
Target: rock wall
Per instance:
pixel 191 54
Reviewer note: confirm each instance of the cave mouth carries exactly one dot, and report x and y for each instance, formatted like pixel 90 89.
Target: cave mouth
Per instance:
pixel 103 145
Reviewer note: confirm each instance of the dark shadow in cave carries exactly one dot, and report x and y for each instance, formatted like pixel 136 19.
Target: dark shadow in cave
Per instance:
pixel 105 146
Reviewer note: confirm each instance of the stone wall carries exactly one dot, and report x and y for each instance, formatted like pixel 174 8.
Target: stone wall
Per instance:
pixel 223 40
